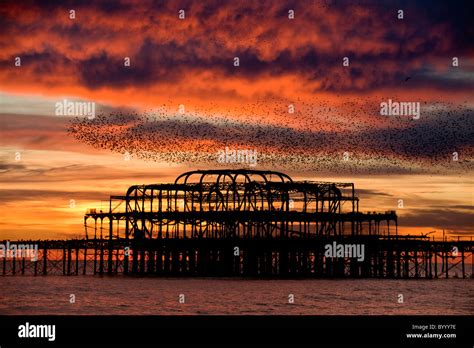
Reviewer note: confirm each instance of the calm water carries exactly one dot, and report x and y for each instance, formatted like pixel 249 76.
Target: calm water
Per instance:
pixel 121 295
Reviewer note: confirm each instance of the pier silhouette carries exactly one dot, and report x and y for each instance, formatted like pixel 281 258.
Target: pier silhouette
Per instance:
pixel 244 223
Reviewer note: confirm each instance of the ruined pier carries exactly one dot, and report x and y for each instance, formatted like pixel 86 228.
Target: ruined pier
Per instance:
pixel 244 223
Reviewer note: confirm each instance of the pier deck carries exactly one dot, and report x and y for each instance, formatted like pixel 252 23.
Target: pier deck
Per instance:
pixel 384 257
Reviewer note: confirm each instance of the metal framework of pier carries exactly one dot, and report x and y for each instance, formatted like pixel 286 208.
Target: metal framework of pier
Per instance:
pixel 236 204
pixel 243 223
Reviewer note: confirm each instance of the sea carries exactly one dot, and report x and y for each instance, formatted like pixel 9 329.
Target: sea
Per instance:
pixel 122 295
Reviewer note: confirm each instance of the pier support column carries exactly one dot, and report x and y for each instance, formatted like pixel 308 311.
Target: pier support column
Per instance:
pixel 159 259
pixel 69 257
pixel 416 263
pixel 45 260
pixel 431 264
pixel 101 259
pixel 407 264
pixel 95 257
pixel 399 270
pixel 283 258
pixel 447 264
pixel 64 260
pixel 76 271
pixel 192 260
pixel 84 270
pixel 110 258
pixel 135 252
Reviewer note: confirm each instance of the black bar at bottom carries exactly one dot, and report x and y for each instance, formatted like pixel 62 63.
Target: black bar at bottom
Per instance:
pixel 133 331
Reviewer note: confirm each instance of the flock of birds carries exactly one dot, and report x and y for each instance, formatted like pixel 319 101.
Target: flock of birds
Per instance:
pixel 349 138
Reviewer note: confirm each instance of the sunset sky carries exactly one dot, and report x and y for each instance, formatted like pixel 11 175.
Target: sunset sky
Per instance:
pixel 182 99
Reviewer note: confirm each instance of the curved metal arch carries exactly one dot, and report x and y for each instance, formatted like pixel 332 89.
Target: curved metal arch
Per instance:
pixel 203 173
pixel 131 188
pixel 214 189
